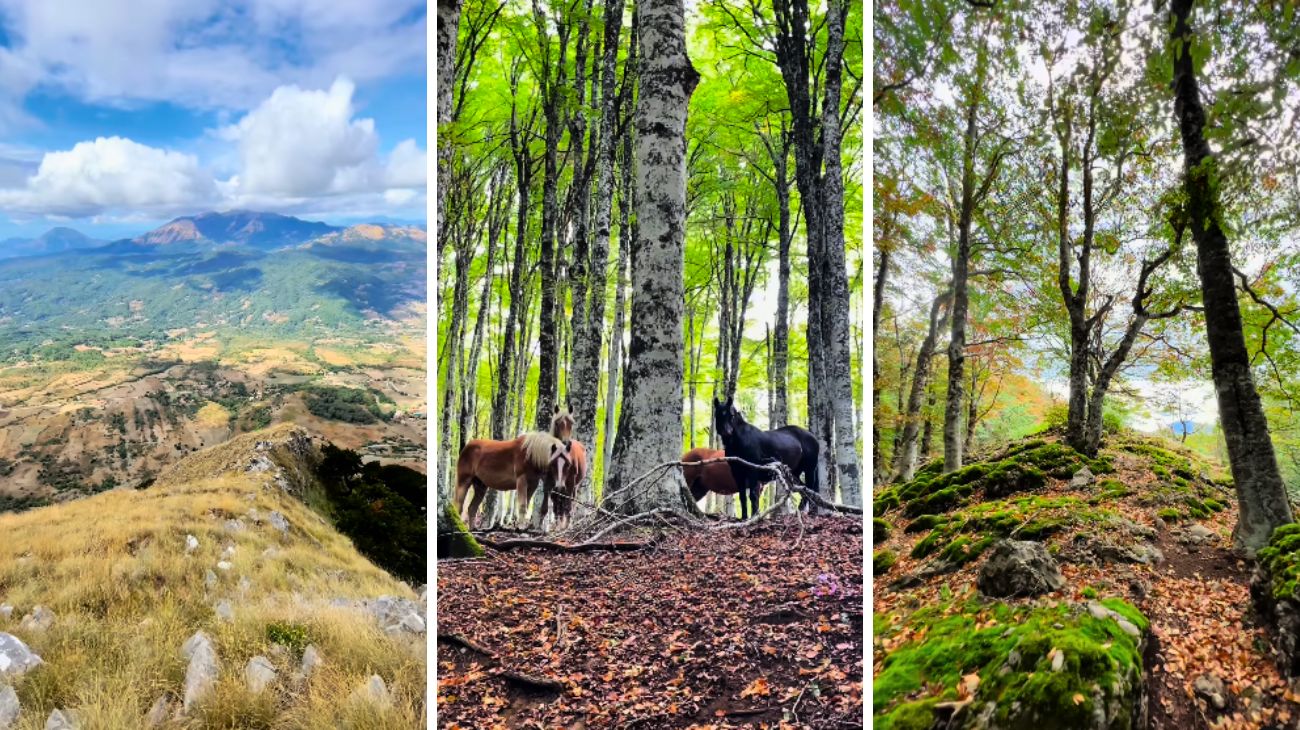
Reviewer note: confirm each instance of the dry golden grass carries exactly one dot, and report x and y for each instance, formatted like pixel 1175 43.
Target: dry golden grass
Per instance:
pixel 114 570
pixel 212 415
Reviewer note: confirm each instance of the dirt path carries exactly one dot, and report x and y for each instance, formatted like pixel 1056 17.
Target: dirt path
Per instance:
pixel 754 628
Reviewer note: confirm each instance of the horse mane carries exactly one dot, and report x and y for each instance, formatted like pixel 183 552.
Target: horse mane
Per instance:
pixel 537 447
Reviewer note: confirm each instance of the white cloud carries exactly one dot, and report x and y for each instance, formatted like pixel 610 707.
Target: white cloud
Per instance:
pixel 299 151
pixel 408 166
pixel 301 142
pixel 109 173
pixel 203 53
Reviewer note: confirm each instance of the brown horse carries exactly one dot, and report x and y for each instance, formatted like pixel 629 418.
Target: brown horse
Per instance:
pixel 562 424
pixel 704 478
pixel 518 464
pixel 566 488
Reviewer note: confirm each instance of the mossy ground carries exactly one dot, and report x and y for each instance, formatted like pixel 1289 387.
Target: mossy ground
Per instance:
pixel 1281 560
pixel 1136 477
pixel 114 570
pixel 1010 649
pixel 1021 468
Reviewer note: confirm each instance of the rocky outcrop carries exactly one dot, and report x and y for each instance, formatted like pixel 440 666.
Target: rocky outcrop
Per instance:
pixel 1017 568
pixel 1275 590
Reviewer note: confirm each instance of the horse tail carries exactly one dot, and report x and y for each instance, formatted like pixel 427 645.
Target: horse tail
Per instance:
pixel 813 469
pixel 537 448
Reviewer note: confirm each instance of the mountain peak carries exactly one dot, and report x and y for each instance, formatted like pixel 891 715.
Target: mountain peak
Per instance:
pixel 245 227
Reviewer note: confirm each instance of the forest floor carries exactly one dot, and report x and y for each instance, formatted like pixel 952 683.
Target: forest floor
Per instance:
pixel 1197 598
pixel 756 627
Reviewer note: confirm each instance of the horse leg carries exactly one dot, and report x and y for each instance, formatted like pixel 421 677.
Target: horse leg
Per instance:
pixel 479 492
pixel 522 494
pixel 754 493
pixel 463 482
pixel 543 509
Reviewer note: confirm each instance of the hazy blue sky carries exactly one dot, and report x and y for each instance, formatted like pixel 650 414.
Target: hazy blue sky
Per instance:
pixel 117 115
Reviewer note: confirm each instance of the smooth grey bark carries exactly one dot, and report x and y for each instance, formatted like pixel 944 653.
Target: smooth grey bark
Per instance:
pixel 1261 493
pixel 878 305
pixel 497 216
pixel 650 424
pixel 587 348
pixel 779 152
pixel 975 189
pixel 553 91
pixel 952 442
pixel 626 234
pixel 905 456
pixel 506 388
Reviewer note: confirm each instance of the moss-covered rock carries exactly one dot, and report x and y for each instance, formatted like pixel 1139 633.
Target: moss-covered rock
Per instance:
pixel 882 561
pixel 1275 589
pixel 454 539
pixel 879 530
pixel 1028 517
pixel 1021 683
pixel 1023 467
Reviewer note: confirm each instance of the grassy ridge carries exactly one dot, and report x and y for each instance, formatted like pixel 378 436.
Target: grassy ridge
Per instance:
pixel 114 570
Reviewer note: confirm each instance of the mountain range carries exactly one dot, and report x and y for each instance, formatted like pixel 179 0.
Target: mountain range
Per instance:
pixel 245 270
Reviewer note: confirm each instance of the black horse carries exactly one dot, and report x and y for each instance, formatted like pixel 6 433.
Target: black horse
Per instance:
pixel 795 447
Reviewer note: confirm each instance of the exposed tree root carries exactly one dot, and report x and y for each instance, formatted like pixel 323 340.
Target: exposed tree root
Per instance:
pixel 528 680
pixel 585 547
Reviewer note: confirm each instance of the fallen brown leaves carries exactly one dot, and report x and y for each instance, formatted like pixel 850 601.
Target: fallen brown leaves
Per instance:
pixel 704 630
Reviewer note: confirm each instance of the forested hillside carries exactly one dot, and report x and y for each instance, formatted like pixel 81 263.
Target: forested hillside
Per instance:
pixel 1086 226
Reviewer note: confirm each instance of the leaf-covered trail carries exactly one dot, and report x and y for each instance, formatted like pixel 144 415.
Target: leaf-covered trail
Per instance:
pixel 759 627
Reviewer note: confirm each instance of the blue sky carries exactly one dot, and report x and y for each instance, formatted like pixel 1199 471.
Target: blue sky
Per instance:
pixel 117 115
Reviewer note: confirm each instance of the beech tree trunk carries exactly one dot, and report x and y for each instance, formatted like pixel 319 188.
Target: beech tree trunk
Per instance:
pixel 877 305
pixel 506 378
pixel 584 380
pixel 835 311
pixel 626 235
pixel 554 90
pixel 650 425
pixel 905 456
pixel 952 431
pixel 448 26
pixel 1260 490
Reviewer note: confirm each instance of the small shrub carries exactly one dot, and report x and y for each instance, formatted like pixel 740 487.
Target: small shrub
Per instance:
pixel 292 636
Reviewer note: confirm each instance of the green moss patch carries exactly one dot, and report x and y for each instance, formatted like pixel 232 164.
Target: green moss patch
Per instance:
pixel 962 536
pixel 1022 468
pixel 882 561
pixel 1280 559
pixel 1011 650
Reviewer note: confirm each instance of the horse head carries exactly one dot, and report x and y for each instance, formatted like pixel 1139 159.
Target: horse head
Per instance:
pixel 562 423
pixel 726 419
pixel 561 457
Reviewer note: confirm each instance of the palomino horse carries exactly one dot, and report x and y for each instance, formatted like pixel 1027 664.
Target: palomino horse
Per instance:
pixel 704 478
pixel 518 464
pixel 566 487
pixel 795 447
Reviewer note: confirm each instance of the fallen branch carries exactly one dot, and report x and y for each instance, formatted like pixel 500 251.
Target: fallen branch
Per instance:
pixel 543 683
pixel 585 547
